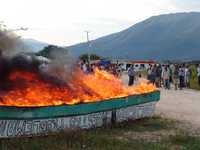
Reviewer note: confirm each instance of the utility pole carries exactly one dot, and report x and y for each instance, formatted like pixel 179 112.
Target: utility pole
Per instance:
pixel 88 43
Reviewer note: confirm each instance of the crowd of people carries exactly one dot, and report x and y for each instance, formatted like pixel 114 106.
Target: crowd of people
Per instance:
pixel 114 69
pixel 166 75
pixel 160 75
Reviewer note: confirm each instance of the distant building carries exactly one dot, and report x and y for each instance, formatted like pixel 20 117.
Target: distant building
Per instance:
pixel 139 64
pixel 142 64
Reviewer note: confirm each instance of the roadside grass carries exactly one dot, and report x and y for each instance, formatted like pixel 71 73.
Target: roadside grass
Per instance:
pixel 194 80
pixel 194 84
pixel 154 133
pixel 185 141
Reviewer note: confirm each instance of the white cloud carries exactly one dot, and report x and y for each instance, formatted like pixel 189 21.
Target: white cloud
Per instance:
pixel 64 21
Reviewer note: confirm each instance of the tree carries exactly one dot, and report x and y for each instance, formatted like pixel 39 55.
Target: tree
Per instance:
pixel 84 57
pixel 50 51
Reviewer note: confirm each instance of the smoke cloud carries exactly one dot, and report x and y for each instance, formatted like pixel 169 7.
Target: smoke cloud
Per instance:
pixel 11 43
pixel 57 69
pixel 61 66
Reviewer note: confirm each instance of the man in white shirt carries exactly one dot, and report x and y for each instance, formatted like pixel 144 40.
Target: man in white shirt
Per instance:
pixel 198 74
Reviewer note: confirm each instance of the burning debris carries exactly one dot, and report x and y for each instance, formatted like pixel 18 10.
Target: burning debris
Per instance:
pixel 26 85
pixel 29 80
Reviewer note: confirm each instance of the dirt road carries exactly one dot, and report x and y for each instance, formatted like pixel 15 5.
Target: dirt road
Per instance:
pixel 183 105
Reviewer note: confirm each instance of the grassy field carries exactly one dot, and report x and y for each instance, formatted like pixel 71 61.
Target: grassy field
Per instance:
pixel 147 134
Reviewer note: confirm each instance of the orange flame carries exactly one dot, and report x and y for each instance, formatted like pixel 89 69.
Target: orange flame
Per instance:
pixel 30 90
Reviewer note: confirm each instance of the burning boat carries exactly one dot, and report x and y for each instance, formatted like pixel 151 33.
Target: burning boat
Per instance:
pixel 38 96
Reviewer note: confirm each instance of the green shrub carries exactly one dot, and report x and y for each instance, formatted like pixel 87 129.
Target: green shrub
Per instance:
pixel 194 79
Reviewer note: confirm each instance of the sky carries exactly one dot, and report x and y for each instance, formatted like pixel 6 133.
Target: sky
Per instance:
pixel 64 22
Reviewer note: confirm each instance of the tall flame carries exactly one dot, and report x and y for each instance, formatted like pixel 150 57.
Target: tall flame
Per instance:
pixel 30 90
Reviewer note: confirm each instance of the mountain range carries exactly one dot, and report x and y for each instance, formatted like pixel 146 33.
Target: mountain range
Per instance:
pixel 164 37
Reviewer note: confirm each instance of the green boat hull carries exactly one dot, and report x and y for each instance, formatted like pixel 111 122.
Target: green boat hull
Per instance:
pixel 30 121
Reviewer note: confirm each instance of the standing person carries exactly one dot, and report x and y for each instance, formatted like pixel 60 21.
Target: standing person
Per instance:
pixel 166 77
pixel 149 72
pixel 198 74
pixel 176 77
pixel 171 70
pixel 181 77
pixel 119 70
pixel 153 75
pixel 158 76
pixel 84 67
pixel 162 80
pixel 187 76
pixel 131 74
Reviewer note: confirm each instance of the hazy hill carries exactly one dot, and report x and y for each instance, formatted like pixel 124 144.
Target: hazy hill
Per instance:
pixel 171 36
pixel 34 44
